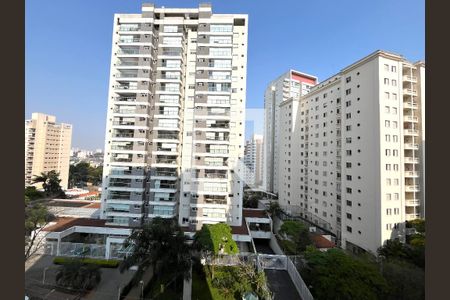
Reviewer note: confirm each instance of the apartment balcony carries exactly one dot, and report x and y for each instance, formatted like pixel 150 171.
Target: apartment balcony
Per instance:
pixel 412 174
pixel 410 78
pixel 411 119
pixel 413 132
pixel 412 188
pixel 129 172
pixel 410 105
pixel 130 110
pixel 410 92
pixel 131 123
pixel 412 202
pixel 411 146
pixel 121 64
pixel 135 28
pixel 128 183
pixel 410 217
pixel 130 159
pixel 413 160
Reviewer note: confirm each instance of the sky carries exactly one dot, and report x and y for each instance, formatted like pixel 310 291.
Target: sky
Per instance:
pixel 68 49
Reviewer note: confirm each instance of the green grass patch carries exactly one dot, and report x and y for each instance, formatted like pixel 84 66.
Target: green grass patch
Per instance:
pixel 104 263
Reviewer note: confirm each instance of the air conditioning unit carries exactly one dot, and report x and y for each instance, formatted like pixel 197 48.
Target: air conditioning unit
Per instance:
pixel 312 229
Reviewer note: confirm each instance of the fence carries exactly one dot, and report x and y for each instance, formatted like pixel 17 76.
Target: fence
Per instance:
pixel 80 249
pixel 291 264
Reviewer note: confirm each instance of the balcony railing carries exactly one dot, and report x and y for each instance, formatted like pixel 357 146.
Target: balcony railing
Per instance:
pixel 410 92
pixel 410 105
pixel 127 41
pixel 412 119
pixel 412 188
pixel 412 202
pixel 411 146
pixel 168 174
pixel 128 51
pixel 117 147
pixel 167 136
pixel 125 87
pixel 411 131
pixel 123 135
pixel 411 174
pixel 126 99
pixel 124 111
pixel 126 75
pixel 411 159
pixel 166 161
pixel 410 78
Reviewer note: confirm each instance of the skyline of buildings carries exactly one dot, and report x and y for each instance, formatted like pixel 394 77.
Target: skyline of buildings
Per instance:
pixel 174 141
pixel 47 148
pixel 253 161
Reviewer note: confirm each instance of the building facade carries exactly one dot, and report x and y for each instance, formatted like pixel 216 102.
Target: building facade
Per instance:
pixel 291 84
pixel 47 147
pixel 175 127
pixel 253 161
pixel 354 160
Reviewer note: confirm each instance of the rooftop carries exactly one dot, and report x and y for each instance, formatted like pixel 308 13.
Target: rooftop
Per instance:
pixel 64 223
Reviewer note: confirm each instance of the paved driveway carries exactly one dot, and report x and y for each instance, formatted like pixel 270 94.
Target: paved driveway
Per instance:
pixel 281 285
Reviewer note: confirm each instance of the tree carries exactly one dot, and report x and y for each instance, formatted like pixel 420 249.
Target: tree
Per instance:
pixel 82 173
pixel 50 183
pixel 36 218
pixel 251 201
pixel 418 224
pixel 78 276
pixel 396 250
pixel 216 238
pixel 297 233
pixel 160 245
pixel 335 275
pixel 274 208
pixel 32 194
pixel 406 281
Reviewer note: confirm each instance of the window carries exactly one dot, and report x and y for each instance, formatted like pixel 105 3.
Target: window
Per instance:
pixel 388 152
pixel 394 69
pixel 394 96
pixel 395 167
pixel 394 124
pixel 348 103
pixel 395 152
pixel 394 110
pixel 349 229
pixel 349 216
pixel 386 109
pixel 388 211
pixel 388 181
pixel 395 138
pixel 396 181
pixel 387 124
pixel 348 91
pixel 349 177
pixel 386 67
pixel 396 211
pixel 348 116
pixel 348 164
pixel 396 196
pixel 394 82
pixel 386 95
pixel 388 167
pixel 349 203
pixel 386 81
pixel 387 138
pixel 388 196
pixel 349 190
pixel 348 152
pixel 348 79
pixel 348 127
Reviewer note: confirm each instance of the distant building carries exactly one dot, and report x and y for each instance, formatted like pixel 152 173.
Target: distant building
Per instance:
pixel 253 161
pixel 47 147
pixel 290 85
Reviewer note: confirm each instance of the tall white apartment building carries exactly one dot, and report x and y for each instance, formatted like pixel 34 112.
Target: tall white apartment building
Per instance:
pixel 253 161
pixel 353 162
pixel 291 84
pixel 47 147
pixel 175 127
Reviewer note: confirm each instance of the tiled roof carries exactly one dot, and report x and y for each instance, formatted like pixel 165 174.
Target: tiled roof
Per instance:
pixel 321 242
pixel 64 223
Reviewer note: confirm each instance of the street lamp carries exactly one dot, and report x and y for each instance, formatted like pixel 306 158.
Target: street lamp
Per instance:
pixel 142 289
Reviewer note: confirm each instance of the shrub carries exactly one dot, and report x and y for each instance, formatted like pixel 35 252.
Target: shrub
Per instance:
pixel 104 263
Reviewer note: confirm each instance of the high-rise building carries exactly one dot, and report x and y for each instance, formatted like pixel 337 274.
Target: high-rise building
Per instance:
pixel 291 84
pixel 47 147
pixel 253 158
pixel 175 125
pixel 353 162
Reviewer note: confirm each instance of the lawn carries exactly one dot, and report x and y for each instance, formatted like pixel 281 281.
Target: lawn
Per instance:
pixel 202 289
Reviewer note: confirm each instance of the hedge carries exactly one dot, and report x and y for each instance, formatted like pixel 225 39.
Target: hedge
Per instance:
pixel 104 263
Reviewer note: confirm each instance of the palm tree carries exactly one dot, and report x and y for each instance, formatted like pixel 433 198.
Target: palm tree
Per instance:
pixel 160 245
pixel 50 182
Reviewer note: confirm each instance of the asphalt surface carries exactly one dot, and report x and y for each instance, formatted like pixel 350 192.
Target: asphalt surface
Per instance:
pixel 281 285
pixel 262 246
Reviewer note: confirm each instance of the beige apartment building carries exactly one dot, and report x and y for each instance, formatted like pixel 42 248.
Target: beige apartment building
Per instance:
pixel 352 158
pixel 47 147
pixel 174 142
